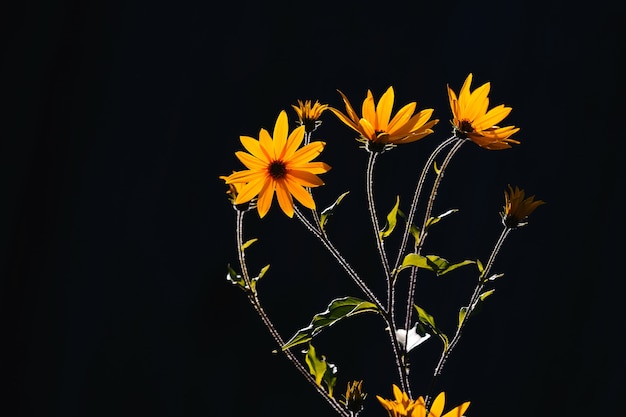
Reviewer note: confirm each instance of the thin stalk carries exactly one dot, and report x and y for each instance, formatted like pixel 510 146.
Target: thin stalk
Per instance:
pixel 369 294
pixel 474 299
pixel 256 303
pixel 374 218
pixel 400 358
pixel 316 218
pixel 424 232
pixel 416 196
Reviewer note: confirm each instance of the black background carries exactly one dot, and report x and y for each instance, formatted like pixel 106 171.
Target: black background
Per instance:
pixel 120 116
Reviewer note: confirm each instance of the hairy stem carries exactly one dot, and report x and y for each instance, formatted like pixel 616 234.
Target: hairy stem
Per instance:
pixel 424 232
pixel 256 303
pixel 474 299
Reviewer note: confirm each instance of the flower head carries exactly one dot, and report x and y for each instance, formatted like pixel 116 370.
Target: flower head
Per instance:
pixel 308 115
pixel 277 164
pixel 403 406
pixel 472 120
pixel 376 127
pixel 517 208
pixel 354 397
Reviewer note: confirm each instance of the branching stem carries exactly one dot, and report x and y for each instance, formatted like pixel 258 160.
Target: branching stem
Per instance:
pixel 256 303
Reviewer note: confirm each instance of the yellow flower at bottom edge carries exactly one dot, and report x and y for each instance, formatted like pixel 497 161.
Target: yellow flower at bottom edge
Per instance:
pixel 277 164
pixel 472 120
pixel 403 406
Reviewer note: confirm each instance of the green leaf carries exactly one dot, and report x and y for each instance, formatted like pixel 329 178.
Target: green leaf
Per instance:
pixel 317 366
pixel 391 220
pixel 436 219
pixel 462 314
pixel 248 243
pixel 256 279
pixel 480 266
pixel 321 370
pixel 486 294
pixel 433 263
pixel 327 212
pixel 429 321
pixel 330 378
pixel 235 278
pixel 338 309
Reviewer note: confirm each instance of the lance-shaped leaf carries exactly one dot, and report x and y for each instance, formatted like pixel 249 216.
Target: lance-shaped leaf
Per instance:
pixel 338 309
pixel 392 219
pixel 327 212
pixel 462 314
pixel 433 263
pixel 235 278
pixel 321 370
pixel 435 219
pixel 428 321
pixel 254 280
pixel 248 243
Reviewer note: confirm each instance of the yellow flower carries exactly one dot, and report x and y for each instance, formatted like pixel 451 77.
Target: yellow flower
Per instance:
pixel 403 406
pixel 517 208
pixel 308 115
pixel 472 120
pixel 276 165
pixel 375 126
pixel 354 397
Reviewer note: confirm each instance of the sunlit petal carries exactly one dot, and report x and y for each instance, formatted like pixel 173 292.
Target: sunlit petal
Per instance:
pixel 383 110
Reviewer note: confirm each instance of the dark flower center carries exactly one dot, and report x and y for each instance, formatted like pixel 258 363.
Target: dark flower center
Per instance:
pixel 466 126
pixel 277 169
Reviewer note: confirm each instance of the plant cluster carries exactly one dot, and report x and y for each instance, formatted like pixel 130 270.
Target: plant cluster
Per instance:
pixel 283 164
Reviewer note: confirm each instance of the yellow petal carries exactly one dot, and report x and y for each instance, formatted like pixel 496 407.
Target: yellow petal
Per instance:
pixel 383 110
pixel 305 178
pixel 492 117
pixel 351 113
pixel 267 145
pixel 305 154
pixel 266 194
pixel 244 176
pixel 401 117
pixel 369 110
pixel 438 404
pixel 253 147
pixel 293 142
pixel 314 167
pixel 281 129
pixel 300 193
pixel 250 161
pixel 284 198
pixel 464 93
pixel 367 130
pixel 477 103
pixel 458 411
pixel 345 119
pixel 250 190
